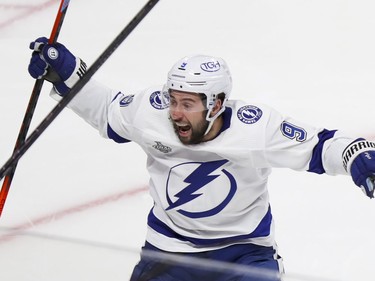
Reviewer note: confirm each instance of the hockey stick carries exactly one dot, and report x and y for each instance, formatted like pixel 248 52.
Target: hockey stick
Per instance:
pixel 18 153
pixel 31 106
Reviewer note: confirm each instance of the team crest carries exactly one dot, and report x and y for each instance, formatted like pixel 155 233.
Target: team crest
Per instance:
pixel 249 114
pixel 125 101
pixel 190 188
pixel 159 100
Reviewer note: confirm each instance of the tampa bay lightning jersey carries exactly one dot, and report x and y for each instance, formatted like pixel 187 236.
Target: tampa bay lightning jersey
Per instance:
pixel 213 194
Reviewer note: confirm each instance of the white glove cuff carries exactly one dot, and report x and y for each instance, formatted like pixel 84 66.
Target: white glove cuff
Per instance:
pixel 77 74
pixel 353 150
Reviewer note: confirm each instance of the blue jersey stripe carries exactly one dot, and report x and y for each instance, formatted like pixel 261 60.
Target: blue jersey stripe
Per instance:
pixel 316 162
pixel 114 136
pixel 262 230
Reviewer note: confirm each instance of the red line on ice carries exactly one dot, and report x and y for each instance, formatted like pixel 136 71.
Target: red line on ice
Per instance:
pixel 18 229
pixel 28 10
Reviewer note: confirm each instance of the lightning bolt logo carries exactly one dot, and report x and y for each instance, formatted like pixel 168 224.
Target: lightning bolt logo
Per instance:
pixel 199 178
pixel 249 114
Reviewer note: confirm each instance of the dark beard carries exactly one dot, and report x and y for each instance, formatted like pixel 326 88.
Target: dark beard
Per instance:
pixel 197 134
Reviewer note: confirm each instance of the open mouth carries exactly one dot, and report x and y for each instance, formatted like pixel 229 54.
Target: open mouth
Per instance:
pixel 183 129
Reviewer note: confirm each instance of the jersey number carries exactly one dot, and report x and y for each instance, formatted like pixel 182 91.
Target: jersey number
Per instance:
pixel 293 132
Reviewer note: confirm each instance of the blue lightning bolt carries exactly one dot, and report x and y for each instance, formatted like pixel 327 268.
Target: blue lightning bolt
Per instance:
pixel 197 179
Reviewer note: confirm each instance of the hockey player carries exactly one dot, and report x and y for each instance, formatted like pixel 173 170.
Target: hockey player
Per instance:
pixel 209 158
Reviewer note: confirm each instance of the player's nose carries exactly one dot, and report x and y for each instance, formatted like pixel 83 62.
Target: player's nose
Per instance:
pixel 176 114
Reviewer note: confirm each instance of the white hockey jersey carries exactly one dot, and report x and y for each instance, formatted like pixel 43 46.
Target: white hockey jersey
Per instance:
pixel 214 194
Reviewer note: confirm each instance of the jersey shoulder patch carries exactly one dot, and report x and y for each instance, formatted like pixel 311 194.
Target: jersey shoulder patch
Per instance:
pixel 126 100
pixel 159 100
pixel 249 114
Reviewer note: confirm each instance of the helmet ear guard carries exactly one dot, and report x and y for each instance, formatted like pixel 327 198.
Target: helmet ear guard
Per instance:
pixel 205 75
pixel 210 104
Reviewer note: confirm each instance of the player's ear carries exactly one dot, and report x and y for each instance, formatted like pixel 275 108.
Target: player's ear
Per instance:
pixel 217 107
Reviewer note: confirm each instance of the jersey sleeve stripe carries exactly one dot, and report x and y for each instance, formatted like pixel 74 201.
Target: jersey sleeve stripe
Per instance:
pixel 316 162
pixel 114 136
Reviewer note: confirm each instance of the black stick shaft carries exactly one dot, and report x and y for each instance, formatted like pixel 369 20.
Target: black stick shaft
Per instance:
pixel 77 87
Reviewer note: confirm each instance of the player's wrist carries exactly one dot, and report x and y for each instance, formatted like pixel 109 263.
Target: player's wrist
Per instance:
pixel 353 150
pixel 63 87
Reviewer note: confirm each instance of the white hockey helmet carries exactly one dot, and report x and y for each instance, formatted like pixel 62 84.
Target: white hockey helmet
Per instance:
pixel 204 75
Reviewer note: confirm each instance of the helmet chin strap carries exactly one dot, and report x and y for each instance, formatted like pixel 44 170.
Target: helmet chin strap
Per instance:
pixel 210 123
pixel 212 119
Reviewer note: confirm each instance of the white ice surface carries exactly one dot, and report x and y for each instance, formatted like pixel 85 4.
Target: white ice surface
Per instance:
pixel 313 60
